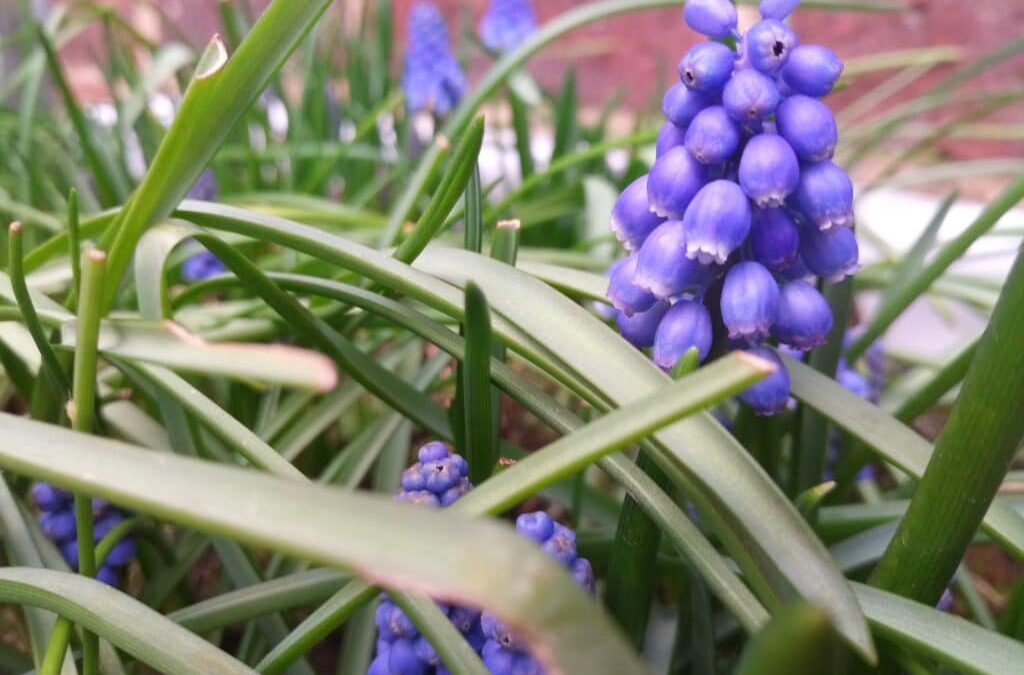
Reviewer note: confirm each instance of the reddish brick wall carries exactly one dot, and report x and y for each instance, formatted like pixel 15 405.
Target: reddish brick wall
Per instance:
pixel 638 52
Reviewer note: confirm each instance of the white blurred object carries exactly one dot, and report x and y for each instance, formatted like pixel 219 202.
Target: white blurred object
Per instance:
pixel 898 217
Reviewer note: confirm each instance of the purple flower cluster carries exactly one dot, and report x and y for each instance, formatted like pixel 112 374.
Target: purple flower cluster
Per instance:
pixel 506 24
pixel 437 479
pixel 743 206
pixel 57 521
pixel 433 80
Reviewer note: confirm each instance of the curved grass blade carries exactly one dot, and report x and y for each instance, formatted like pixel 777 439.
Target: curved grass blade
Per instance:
pixel 974 451
pixel 284 593
pixel 733 490
pixel 621 373
pixel 118 618
pixel 221 92
pixel 948 639
pixel 454 558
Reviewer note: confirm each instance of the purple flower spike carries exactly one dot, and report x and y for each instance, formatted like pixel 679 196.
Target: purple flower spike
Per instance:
pixel 825 195
pixel 681 104
pixel 632 219
pixel 750 96
pixel 770 395
pixel 717 222
pixel 768 45
pixel 202 265
pixel 750 301
pixel 808 126
pixel 640 329
pixel 769 170
pixel 777 9
pixel 669 136
pixel 714 18
pixel 687 324
pixel 662 266
pixel 831 254
pixel 713 136
pixel 812 70
pixel 433 79
pixel 804 317
pixel 774 238
pixel 507 24
pixel 625 295
pixel 707 66
pixel 675 179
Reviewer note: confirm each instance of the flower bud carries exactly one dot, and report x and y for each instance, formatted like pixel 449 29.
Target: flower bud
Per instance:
pixel 769 170
pixel 811 70
pixel 768 45
pixel 675 179
pixel 707 66
pixel 774 238
pixel 625 295
pixel 825 195
pixel 713 136
pixel 750 300
pixel 686 324
pixel 681 104
pixel 717 222
pixel 831 254
pixel 808 126
pixel 640 329
pixel 771 394
pixel 777 9
pixel 750 96
pixel 669 136
pixel 804 318
pixel 632 219
pixel 663 267
pixel 714 18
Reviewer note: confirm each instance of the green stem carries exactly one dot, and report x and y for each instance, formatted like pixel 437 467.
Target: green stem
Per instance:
pixel 973 453
pixel 934 389
pixel 82 414
pixel 53 660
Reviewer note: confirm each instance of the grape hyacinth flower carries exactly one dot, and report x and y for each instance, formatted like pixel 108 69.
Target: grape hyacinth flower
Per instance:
pixel 433 80
pixel 506 24
pixel 808 126
pixel 769 170
pixel 770 395
pixel 663 267
pixel 632 218
pixel 717 222
pixel 804 318
pixel 768 45
pixel 811 70
pixel 750 301
pixel 750 213
pixel 707 66
pixel 57 522
pixel 504 652
pixel 437 479
pixel 714 18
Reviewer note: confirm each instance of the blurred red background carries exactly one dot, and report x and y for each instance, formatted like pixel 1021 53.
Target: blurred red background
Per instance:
pixel 636 54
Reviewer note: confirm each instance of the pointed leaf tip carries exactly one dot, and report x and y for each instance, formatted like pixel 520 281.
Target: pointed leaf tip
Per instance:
pixel 213 59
